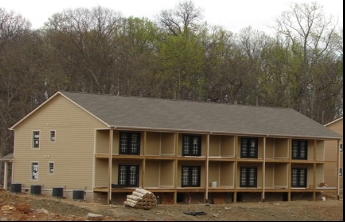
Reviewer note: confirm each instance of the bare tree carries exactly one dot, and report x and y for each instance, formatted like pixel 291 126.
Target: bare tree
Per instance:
pixel 12 26
pixel 20 74
pixel 312 36
pixel 85 41
pixel 181 20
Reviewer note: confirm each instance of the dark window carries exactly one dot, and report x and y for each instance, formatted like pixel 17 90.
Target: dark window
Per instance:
pixel 129 143
pixel 299 149
pixel 51 167
pixel 248 176
pixel 299 177
pixel 190 176
pixel 341 148
pixel 34 170
pixel 52 135
pixel 36 139
pixel 191 145
pixel 128 175
pixel 249 147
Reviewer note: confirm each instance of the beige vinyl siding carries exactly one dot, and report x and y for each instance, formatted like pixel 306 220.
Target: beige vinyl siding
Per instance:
pixel 221 145
pixel 116 142
pixel 222 173
pixel 269 175
pixel 167 143
pixel 310 176
pixel 319 150
pixel 214 146
pixel 337 126
pixel 270 144
pixel 281 148
pixel 101 173
pixel 102 141
pixel 153 143
pixel 226 174
pixel 311 148
pixel 167 173
pixel 319 174
pixel 331 150
pixel 152 173
pixel 214 172
pixel 280 175
pixel 331 170
pixel 227 146
pixel 72 152
pixel 331 173
pixel 159 143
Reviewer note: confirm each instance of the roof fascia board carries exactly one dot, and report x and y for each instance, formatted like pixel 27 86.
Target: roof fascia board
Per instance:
pixel 185 131
pixel 221 133
pixel 334 121
pixel 34 110
pixel 49 99
pixel 85 110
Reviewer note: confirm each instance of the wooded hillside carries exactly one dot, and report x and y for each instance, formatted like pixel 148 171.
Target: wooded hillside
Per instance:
pixel 177 56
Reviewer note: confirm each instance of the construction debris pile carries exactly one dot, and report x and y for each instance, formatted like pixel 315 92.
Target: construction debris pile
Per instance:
pixel 141 199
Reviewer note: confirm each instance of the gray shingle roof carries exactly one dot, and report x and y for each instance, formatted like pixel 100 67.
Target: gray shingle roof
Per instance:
pixel 139 112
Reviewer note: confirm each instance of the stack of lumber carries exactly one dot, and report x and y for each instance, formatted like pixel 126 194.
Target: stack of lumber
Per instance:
pixel 141 199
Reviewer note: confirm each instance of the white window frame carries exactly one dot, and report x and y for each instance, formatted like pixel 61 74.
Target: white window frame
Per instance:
pixel 52 139
pixel 34 174
pixel 33 139
pixel 51 170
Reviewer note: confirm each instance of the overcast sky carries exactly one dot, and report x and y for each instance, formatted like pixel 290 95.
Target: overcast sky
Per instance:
pixel 233 15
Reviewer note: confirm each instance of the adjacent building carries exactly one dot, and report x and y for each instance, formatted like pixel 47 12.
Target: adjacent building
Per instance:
pixel 182 151
pixel 334 172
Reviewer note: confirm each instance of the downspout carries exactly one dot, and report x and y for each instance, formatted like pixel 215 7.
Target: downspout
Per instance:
pixel 207 170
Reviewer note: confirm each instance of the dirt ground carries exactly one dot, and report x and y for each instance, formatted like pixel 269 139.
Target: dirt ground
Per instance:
pixel 28 207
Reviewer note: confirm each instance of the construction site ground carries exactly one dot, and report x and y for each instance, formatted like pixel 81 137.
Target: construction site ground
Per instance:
pixel 28 207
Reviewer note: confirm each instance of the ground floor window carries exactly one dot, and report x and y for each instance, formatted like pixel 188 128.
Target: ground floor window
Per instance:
pixel 248 176
pixel 50 167
pixel 190 176
pixel 34 170
pixel 128 175
pixel 299 176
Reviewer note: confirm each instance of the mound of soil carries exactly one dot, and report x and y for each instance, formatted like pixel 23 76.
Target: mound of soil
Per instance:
pixel 27 207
